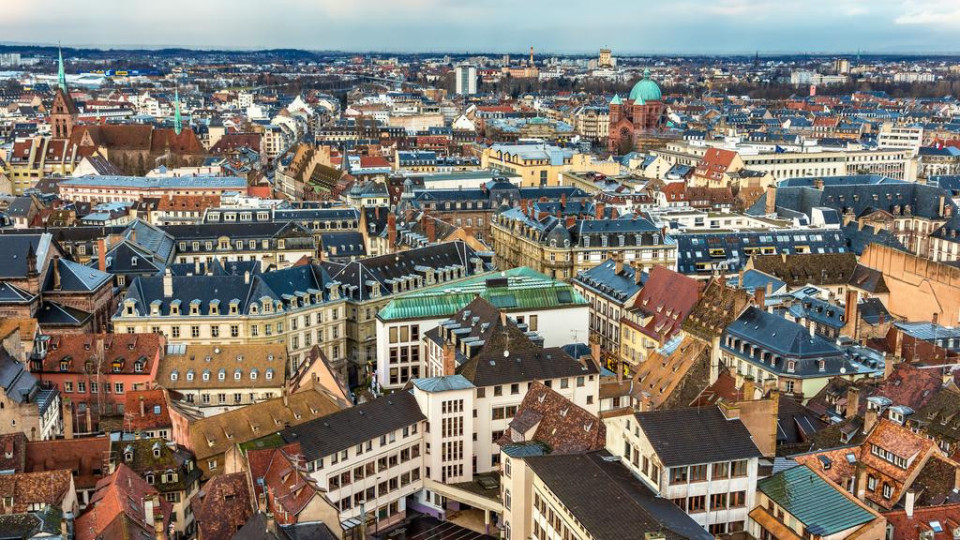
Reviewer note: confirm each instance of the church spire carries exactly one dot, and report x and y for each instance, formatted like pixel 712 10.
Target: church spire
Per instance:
pixel 177 120
pixel 61 74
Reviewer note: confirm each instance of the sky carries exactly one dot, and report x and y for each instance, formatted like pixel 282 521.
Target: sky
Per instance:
pixel 635 27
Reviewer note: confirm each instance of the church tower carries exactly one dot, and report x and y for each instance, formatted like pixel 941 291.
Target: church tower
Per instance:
pixel 177 119
pixel 63 114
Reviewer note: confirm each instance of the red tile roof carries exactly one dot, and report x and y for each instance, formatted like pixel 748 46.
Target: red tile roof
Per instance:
pixel 122 494
pixel 86 458
pixel 153 405
pixel 40 488
pixel 123 350
pixel 222 506
pixel 667 298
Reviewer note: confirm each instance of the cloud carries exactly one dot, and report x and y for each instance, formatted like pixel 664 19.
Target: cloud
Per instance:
pixel 929 12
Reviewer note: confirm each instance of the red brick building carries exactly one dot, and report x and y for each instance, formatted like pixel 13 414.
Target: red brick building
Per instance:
pixel 641 113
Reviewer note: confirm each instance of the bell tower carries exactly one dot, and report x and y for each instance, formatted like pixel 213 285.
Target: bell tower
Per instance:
pixel 63 114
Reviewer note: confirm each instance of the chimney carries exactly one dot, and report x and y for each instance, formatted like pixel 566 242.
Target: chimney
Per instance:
pixel 771 207
pixel 759 296
pixel 935 320
pixel 196 267
pixel 563 201
pixel 449 358
pixel 861 481
pixel 851 313
pixel 246 277
pixel 88 417
pixel 889 364
pixel 908 501
pixel 391 230
pixel 869 420
pixel 271 523
pixel 430 228
pixel 637 273
pixel 600 207
pixel 67 419
pixel 158 532
pixel 56 272
pixel 148 515
pixel 740 278
pixel 853 401
pixel 748 388
pixel 595 353
pixel 102 254
pixel 167 284
pixel 818 183
pixel 142 407
pixel 730 410
pixel 618 263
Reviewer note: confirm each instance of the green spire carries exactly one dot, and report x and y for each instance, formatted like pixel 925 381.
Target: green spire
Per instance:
pixel 61 75
pixel 177 121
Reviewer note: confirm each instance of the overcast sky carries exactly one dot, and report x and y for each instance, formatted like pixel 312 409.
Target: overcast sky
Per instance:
pixel 565 26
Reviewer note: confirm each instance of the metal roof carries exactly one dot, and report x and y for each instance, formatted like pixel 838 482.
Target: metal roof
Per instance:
pixel 812 500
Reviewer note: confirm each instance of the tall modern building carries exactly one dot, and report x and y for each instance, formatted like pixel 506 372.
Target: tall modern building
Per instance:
pixel 466 79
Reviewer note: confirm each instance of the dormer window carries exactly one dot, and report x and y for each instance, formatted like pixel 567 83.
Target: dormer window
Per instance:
pixel 174 375
pixel 134 261
pixel 237 375
pixel 190 375
pixel 269 374
pixel 222 375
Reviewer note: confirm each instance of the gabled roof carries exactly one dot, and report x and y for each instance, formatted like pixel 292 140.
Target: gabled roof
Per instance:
pixel 343 429
pixel 696 435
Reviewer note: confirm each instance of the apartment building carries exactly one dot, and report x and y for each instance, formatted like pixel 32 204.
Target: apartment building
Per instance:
pixel 298 307
pixel 561 247
pixel 368 458
pixel 610 288
pixel 222 377
pixel 704 460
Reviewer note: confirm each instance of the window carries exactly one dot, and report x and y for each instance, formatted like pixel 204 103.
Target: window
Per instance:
pixel 739 467
pixel 887 491
pixel 678 475
pixel 721 470
pixel 697 504
pixel 698 473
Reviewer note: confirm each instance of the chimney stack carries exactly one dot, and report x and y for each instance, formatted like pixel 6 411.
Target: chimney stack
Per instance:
pixel 391 230
pixel 637 273
pixel 449 358
pixel 430 228
pixel 167 284
pixel 748 388
pixel 853 401
pixel 600 207
pixel 771 206
pixel 56 272
pixel 870 420
pixel 759 297
pixel 102 254
pixel 618 263
pixel 67 419
pixel 908 501
pixel 142 407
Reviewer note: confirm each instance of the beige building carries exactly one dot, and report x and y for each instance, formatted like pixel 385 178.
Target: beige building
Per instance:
pixel 562 247
pixel 297 307
pixel 220 378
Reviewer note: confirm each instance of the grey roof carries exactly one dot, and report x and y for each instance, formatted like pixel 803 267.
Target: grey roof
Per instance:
pixel 608 500
pixel 15 247
pixel 779 335
pixel 696 435
pixel 604 280
pixel 443 384
pixel 350 427
pixel 164 182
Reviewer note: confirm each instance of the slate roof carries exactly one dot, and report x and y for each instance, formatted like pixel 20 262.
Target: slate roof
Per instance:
pixel 343 429
pixel 609 501
pixel 604 280
pixel 733 246
pixel 696 435
pixel 813 501
pixel 779 335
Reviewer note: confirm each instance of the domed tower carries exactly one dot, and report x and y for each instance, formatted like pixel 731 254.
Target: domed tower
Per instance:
pixel 642 112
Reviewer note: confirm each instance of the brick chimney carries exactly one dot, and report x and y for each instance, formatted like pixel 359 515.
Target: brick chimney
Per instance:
pixel 430 228
pixel 599 207
pixel 56 272
pixel 563 201
pixel 618 263
pixel 851 312
pixel 771 207
pixel 748 389
pixel 759 296
pixel 102 254
pixel 67 419
pixel 449 358
pixel 637 273
pixel 391 230
pixel 853 401
pixel 870 419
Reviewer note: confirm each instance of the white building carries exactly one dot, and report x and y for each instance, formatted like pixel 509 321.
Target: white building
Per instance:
pixel 466 77
pixel 702 459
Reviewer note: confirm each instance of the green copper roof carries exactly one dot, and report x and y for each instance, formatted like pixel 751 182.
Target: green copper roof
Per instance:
pixel 616 100
pixel 812 500
pixel 645 90
pixel 61 74
pixel 524 289
pixel 177 120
